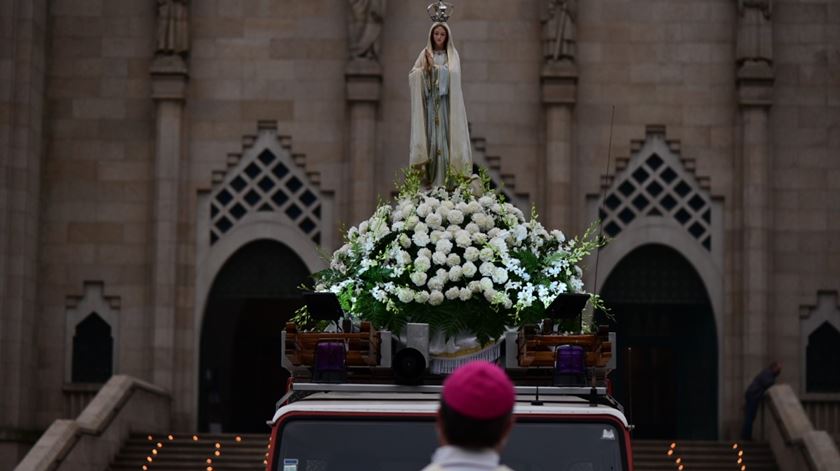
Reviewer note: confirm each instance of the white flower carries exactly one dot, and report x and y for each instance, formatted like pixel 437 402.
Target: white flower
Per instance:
pixel 455 217
pixel 478 219
pixel 405 295
pixel 486 284
pixel 423 210
pixel 435 298
pixel 411 222
pixel 421 239
pixel 500 276
pixel 465 294
pixel 463 238
pixel 472 228
pixel 471 254
pixel 398 226
pixel 439 258
pixel 469 269
pixel 434 220
pixel 443 274
pixel 432 202
pixel 490 295
pixel 461 206
pixel 435 236
pixel 421 297
pixel 474 286
pixel 493 233
pixel 435 282
pixel 487 269
pixel 486 201
pixel 486 254
pixel 453 259
pixel 425 253
pixel 419 278
pixel 499 244
pixel 521 233
pixel 422 263
pixel 453 293
pixel 405 241
pixel 403 258
pixel 559 236
pixel 444 246
pixel 363 227
pixel 421 227
pixel 455 273
pixel 473 207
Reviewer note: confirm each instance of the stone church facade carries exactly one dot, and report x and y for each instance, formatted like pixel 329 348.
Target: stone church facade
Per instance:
pixel 145 145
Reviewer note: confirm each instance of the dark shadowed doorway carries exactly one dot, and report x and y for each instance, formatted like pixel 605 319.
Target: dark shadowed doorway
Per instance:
pixel 666 375
pixel 252 297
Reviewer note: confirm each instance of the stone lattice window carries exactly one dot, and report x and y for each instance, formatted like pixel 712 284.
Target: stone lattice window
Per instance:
pixel 654 187
pixel 93 351
pixel 266 183
pixel 822 359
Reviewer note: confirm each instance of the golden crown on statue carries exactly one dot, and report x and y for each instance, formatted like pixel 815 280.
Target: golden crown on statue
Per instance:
pixel 440 12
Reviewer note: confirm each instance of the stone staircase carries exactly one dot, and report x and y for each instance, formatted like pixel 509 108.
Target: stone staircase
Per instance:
pixel 696 455
pixel 244 452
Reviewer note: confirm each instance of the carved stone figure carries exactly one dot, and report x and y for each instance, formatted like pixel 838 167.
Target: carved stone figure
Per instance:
pixel 755 31
pixel 365 27
pixel 173 27
pixel 559 33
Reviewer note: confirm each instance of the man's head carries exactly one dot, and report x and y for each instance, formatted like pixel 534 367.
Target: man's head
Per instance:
pixel 476 407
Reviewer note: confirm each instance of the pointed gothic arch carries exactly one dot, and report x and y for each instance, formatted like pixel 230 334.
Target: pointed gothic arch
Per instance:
pixel 264 185
pixel 658 173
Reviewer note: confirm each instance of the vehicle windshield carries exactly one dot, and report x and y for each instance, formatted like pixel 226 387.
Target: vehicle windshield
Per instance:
pixel 354 444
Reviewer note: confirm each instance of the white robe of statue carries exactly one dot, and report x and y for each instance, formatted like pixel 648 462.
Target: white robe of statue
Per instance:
pixel 440 139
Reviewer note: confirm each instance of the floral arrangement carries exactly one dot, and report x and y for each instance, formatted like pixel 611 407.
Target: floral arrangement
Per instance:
pixel 459 259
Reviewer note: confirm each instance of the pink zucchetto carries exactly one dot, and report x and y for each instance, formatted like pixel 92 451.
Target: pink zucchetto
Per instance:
pixel 479 390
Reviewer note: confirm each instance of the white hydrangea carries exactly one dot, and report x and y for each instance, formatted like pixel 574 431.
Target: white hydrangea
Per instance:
pixel 558 236
pixel 486 284
pixel 411 222
pixel 434 220
pixel 486 201
pixel 500 276
pixel 463 239
pixel 421 297
pixel 419 278
pixel 423 210
pixel 465 294
pixel 444 246
pixel 435 298
pixel 472 228
pixel 453 259
pixel 453 293
pixel 420 239
pixel 474 286
pixel 486 254
pixel 439 258
pixel 425 253
pixel 469 269
pixel 443 274
pixel 455 217
pixel 435 283
pixel 487 269
pixel 422 263
pixel 455 273
pixel 405 295
pixel 421 227
pixel 405 241
pixel 471 254
pixel 435 236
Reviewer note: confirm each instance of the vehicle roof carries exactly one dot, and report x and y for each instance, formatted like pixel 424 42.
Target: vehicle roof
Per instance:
pixel 427 404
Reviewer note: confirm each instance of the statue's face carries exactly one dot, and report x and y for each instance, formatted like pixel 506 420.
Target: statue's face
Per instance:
pixel 439 37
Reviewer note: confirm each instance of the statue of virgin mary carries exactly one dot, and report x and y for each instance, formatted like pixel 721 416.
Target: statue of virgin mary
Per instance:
pixel 440 139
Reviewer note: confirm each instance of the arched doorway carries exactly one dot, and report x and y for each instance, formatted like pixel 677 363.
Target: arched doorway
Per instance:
pixel 667 367
pixel 252 297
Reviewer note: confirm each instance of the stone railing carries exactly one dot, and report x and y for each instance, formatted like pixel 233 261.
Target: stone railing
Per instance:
pixel 795 443
pixel 824 412
pixel 124 405
pixel 77 396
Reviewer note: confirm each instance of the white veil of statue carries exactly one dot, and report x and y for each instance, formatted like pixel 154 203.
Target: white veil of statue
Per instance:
pixel 441 146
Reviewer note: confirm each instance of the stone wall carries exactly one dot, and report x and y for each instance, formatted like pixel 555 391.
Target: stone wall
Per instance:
pixel 96 196
pixel 89 206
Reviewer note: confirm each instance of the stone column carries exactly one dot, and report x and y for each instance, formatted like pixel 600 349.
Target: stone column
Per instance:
pixel 364 83
pixel 23 40
pixel 755 93
pixel 559 92
pixel 169 80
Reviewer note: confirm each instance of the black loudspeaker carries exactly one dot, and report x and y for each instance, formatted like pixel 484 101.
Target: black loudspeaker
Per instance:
pixel 409 367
